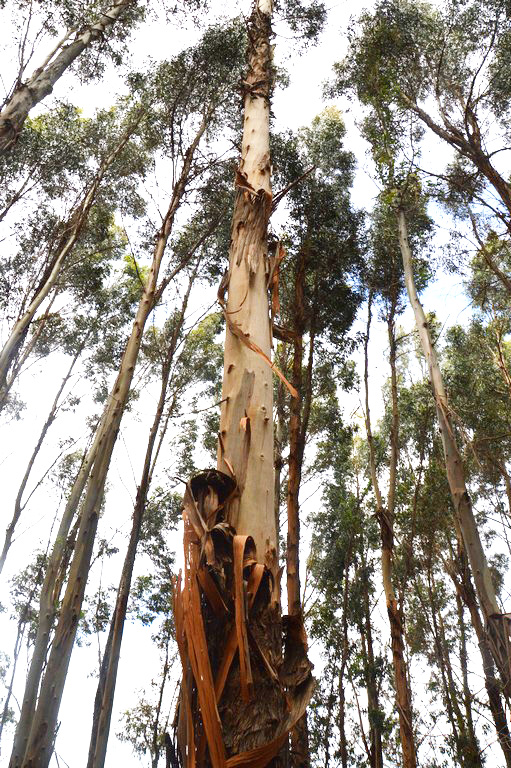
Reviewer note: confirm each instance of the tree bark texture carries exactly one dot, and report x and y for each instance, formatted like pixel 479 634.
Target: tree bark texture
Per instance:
pixel 42 729
pixel 240 695
pixel 496 624
pixel 41 83
pixel 246 430
pixel 385 517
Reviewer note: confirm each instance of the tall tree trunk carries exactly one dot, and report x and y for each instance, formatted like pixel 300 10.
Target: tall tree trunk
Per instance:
pixel 52 273
pixel 385 517
pixel 473 751
pixel 248 387
pixel 237 709
pixel 104 700
pixel 496 625
pixel 41 83
pixel 18 506
pixel 43 726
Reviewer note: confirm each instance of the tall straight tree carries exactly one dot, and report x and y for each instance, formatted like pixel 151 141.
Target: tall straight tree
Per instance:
pixel 496 623
pixel 229 513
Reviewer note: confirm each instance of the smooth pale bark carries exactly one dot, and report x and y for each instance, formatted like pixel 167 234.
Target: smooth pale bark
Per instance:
pixel 42 81
pixel 385 518
pixel 54 269
pixel 43 727
pixel 104 700
pixel 497 627
pixel 246 427
pixel 18 504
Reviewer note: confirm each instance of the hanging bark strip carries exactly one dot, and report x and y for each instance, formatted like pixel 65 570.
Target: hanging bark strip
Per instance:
pixel 225 592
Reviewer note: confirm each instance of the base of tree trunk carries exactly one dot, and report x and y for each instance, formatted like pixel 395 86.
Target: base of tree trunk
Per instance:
pixel 246 676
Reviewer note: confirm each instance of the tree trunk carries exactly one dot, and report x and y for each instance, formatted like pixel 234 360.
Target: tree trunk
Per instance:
pixel 18 507
pixel 233 712
pixel 48 606
pixel 43 726
pixel 496 625
pixel 51 275
pixel 104 700
pixel 248 387
pixel 41 83
pixel 374 712
pixel 459 571
pixel 385 517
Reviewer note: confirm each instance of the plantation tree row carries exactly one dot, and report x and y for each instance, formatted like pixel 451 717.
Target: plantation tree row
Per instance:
pixel 256 465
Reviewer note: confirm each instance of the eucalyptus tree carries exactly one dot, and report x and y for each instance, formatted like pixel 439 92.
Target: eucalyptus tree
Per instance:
pixel 237 500
pixel 188 98
pixel 343 574
pixel 90 28
pixel 314 302
pixel 446 67
pixel 318 284
pixel 95 326
pixel 86 233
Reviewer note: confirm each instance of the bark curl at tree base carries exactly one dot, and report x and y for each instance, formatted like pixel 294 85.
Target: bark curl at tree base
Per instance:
pixel 241 694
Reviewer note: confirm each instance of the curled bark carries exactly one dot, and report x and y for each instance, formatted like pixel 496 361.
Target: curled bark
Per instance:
pixel 233 600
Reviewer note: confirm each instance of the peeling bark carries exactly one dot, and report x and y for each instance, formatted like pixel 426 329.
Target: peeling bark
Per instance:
pixel 246 430
pixel 42 81
pixel 240 694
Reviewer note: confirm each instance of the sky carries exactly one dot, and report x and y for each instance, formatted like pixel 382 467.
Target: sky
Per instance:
pixel 293 107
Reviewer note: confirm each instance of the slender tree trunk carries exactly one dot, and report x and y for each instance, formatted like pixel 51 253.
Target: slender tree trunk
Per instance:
pixel 18 507
pixel 473 750
pixel 395 614
pixel 374 712
pixel 42 731
pixel 41 83
pixel 48 606
pixel 104 700
pixel 14 664
pixel 496 625
pixel 459 571
pixel 51 275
